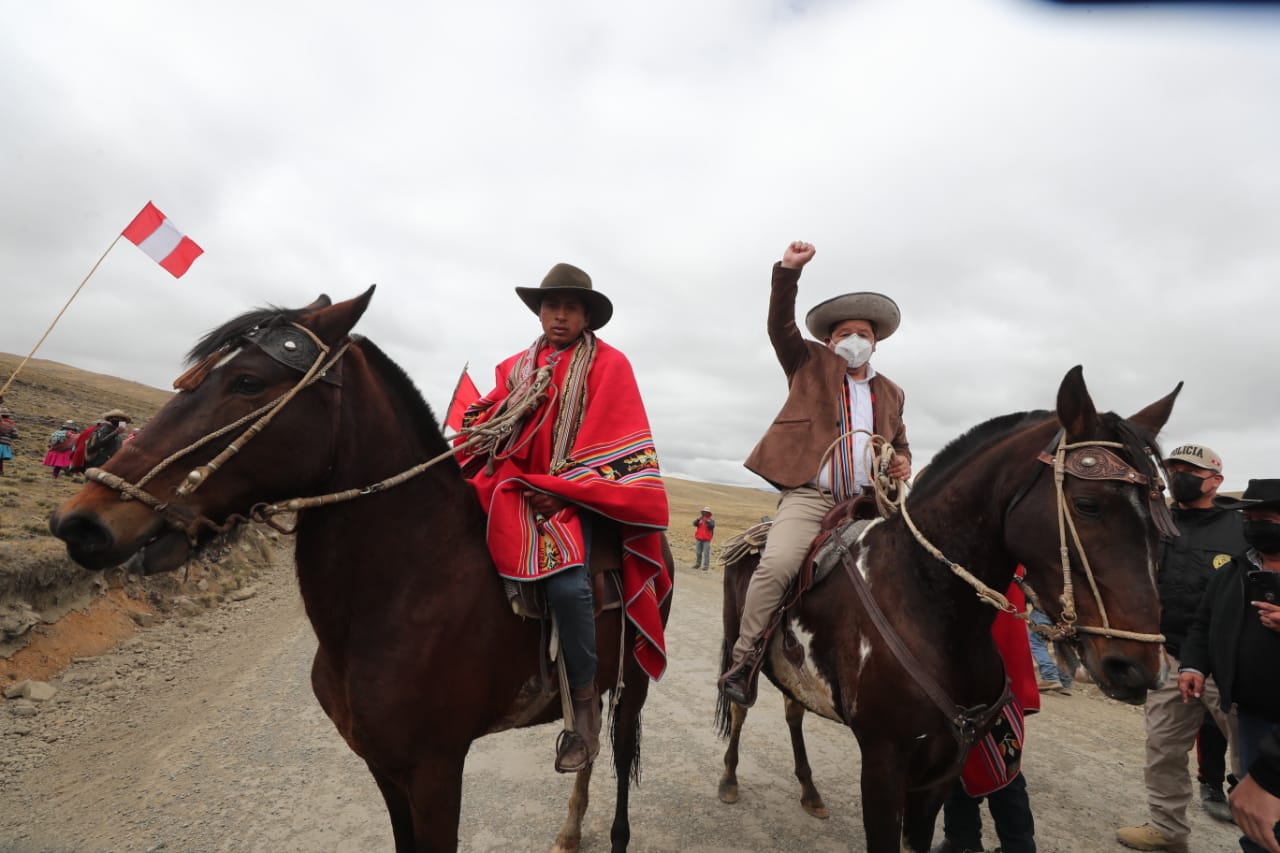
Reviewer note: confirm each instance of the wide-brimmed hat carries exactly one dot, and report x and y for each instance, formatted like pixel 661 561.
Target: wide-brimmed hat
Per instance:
pixel 1261 494
pixel 6 412
pixel 115 414
pixel 706 509
pixel 68 423
pixel 566 278
pixel 876 308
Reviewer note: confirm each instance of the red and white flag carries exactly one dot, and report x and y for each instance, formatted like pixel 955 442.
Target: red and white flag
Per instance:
pixel 464 395
pixel 152 232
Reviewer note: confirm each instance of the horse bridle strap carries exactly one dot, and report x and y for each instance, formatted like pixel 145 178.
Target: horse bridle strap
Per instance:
pixel 966 723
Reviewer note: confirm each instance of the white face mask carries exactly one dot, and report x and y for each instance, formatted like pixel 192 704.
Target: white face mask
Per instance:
pixel 854 349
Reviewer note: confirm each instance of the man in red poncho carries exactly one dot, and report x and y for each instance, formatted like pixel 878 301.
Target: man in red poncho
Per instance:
pixel 578 463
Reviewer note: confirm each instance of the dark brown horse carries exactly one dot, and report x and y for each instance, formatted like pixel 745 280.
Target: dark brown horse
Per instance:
pixel 988 502
pixel 419 652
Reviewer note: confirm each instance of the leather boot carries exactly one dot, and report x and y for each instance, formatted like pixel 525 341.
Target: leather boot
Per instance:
pixel 575 750
pixel 739 683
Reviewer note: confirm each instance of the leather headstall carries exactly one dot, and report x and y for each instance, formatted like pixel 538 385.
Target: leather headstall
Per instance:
pixel 295 350
pixel 1097 463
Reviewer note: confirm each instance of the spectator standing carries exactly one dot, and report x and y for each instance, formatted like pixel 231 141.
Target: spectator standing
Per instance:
pixel 1053 678
pixel 61 442
pixel 704 529
pixel 8 433
pixel 1236 639
pixel 106 439
pixel 1208 536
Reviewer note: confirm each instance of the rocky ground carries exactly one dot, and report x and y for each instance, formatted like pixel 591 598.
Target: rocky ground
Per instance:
pixel 200 733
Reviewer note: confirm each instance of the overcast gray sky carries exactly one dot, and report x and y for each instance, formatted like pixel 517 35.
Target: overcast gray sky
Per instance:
pixel 1037 186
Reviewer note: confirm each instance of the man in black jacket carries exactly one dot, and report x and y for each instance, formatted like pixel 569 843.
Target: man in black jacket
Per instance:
pixel 1207 538
pixel 1236 639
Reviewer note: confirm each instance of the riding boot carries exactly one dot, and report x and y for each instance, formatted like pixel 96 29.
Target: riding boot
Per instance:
pixel 739 683
pixel 575 750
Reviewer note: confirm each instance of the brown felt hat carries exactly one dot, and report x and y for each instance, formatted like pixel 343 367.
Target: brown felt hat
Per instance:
pixel 876 308
pixel 566 278
pixel 115 414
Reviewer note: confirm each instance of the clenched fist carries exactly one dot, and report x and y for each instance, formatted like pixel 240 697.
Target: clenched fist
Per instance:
pixel 797 255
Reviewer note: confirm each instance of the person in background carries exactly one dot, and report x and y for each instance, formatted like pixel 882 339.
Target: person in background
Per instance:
pixel 704 528
pixel 106 439
pixel 61 442
pixel 1235 639
pixel 1187 564
pixel 1053 678
pixel 8 433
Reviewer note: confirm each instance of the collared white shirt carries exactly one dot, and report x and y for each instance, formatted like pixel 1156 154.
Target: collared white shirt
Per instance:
pixel 861 419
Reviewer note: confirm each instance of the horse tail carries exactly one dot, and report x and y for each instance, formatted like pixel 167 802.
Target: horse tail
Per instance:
pixel 724 716
pixel 634 736
pixel 738 567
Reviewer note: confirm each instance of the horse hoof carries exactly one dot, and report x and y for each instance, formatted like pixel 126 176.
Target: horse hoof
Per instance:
pixel 818 809
pixel 729 793
pixel 565 845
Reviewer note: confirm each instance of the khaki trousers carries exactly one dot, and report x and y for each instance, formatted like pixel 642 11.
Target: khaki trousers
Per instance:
pixel 797 522
pixel 1171 734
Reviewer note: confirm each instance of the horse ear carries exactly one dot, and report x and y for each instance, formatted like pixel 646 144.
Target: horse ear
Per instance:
pixel 332 322
pixel 322 301
pixel 1076 411
pixel 1153 417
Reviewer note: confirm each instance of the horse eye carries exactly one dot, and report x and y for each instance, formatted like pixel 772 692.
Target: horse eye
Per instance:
pixel 246 384
pixel 1087 506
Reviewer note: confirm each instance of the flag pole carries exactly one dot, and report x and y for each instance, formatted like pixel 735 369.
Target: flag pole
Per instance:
pixel 23 364
pixel 457 385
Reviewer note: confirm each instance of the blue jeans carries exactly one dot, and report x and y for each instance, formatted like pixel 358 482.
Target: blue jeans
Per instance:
pixel 569 596
pixel 702 554
pixel 1040 651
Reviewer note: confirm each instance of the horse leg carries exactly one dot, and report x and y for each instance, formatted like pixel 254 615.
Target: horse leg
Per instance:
pixel 571 832
pixel 626 750
pixel 436 800
pixel 921 814
pixel 810 799
pixel 399 808
pixel 884 786
pixel 729 781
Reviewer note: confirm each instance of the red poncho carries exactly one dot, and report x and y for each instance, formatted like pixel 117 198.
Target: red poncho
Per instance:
pixel 588 443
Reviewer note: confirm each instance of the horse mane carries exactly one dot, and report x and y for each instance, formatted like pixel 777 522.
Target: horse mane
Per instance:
pixel 949 458
pixel 422 419
pixel 232 330
pixel 419 412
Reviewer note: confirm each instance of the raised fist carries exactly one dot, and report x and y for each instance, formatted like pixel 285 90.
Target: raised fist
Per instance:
pixel 797 255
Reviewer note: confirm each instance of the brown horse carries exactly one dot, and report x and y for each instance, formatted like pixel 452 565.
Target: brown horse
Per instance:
pixel 419 652
pixel 988 502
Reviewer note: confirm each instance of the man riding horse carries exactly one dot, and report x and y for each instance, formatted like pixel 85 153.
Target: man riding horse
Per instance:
pixel 815 452
pixel 578 470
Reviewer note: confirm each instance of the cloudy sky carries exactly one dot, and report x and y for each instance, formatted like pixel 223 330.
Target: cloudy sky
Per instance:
pixel 1038 186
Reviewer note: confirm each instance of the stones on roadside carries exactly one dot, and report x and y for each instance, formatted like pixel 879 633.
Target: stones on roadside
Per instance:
pixel 36 691
pixel 23 708
pixel 242 594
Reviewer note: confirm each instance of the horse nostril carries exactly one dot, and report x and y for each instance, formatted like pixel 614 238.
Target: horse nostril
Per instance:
pixel 84 532
pixel 1123 672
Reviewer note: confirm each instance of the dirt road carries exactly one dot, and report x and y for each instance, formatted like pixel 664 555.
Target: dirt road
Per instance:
pixel 203 735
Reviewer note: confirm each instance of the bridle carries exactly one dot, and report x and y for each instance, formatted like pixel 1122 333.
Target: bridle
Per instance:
pixel 300 349
pixel 1085 460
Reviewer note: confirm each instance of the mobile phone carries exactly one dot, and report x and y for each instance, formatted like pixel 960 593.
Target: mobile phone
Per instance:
pixel 1262 585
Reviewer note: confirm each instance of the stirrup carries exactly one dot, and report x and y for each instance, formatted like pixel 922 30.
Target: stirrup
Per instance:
pixel 739 684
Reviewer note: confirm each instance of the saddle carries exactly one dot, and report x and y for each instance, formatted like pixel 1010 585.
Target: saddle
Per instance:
pixel 841 527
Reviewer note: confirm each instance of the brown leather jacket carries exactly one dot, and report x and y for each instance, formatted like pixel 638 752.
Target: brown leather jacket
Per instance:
pixel 789 453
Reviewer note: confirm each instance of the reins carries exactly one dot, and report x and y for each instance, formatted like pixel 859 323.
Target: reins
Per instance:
pixel 1100 465
pixel 486 438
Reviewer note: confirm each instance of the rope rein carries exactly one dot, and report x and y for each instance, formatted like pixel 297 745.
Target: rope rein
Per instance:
pixel 891 495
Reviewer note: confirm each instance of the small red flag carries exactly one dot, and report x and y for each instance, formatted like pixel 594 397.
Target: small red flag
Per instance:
pixel 152 232
pixel 464 395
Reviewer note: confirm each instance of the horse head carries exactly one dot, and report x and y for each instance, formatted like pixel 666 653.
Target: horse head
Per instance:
pixel 1086 527
pixel 208 455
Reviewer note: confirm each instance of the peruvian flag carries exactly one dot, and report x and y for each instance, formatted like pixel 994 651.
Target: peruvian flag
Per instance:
pixel 464 395
pixel 152 232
